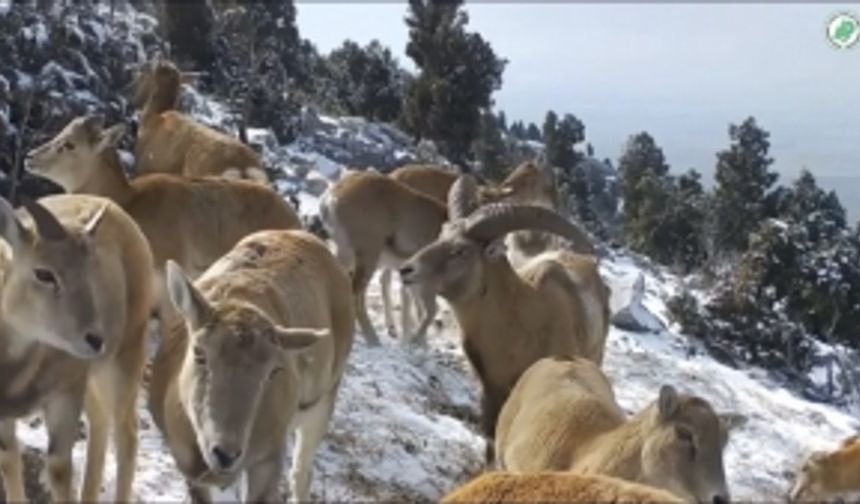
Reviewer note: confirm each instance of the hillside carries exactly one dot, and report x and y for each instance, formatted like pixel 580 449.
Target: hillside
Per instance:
pixel 405 425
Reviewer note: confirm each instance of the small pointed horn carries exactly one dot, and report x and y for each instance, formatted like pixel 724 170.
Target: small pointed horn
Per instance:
pixel 93 223
pixel 47 224
pixel 494 221
pixel 462 197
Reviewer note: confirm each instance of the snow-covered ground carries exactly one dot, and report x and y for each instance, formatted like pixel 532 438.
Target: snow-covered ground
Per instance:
pixel 405 424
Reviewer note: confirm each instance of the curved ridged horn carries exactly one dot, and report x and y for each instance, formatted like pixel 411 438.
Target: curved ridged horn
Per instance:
pixel 494 221
pixel 47 224
pixel 462 197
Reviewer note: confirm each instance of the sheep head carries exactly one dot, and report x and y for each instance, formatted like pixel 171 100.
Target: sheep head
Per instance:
pixel 454 264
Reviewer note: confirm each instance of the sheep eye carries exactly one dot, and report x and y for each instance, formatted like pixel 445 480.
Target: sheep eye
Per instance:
pixel 275 371
pixel 199 357
pixel 69 146
pixel 684 434
pixel 46 277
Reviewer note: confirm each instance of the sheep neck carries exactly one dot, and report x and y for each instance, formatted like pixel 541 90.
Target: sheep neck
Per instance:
pixel 111 181
pixel 617 452
pixel 163 98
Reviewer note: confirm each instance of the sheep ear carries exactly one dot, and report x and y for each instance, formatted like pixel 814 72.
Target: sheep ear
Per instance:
pixel 298 338
pixel 93 125
pixel 732 421
pixel 667 402
pixel 112 136
pixel 185 297
pixel 11 228
pixel 496 249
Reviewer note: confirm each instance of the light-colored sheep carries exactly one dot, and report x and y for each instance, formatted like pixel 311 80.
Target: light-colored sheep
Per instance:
pixel 505 487
pixel 433 181
pixel 191 221
pixel 172 142
pixel 374 220
pixel 828 474
pixel 562 416
pixel 75 298
pixel 261 351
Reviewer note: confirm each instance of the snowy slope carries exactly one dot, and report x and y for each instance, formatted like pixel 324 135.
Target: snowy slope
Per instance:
pixel 405 424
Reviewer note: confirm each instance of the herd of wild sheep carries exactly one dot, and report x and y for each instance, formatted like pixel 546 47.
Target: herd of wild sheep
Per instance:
pixel 257 317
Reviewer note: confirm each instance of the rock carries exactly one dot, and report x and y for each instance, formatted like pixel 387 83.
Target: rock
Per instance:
pixel 315 183
pixel 632 315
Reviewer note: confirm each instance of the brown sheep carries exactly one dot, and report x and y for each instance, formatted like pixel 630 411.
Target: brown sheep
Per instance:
pixel 172 142
pixel 190 221
pixel 433 181
pixel 504 487
pixel 510 318
pixel 562 416
pixel 374 220
pixel 828 474
pixel 75 298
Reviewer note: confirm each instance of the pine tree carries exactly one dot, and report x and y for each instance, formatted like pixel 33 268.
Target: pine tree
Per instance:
pixel 743 180
pixel 261 58
pixel 550 124
pixel 364 81
pixel 459 72
pixel 517 130
pixel 188 26
pixel 641 157
pixel 490 150
pixel 533 132
pixel 502 121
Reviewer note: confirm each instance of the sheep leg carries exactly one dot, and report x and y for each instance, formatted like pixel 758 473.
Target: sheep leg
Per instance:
pixel 97 436
pixel 385 283
pixel 62 414
pixel 313 425
pixel 406 301
pixel 198 494
pixel 122 400
pixel 11 463
pixel 263 479
pixel 363 271
pixel 429 308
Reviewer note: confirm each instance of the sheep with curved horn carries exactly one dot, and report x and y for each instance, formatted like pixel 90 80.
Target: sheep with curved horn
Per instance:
pixel 554 304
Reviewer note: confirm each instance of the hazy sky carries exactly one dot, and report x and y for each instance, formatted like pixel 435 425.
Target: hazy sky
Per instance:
pixel 681 72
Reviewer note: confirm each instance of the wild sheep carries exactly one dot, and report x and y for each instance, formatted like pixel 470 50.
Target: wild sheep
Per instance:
pixel 562 416
pixel 828 474
pixel 261 351
pixel 556 304
pixel 374 219
pixel 191 221
pixel 433 181
pixel 531 183
pixel 75 297
pixel 504 487
pixel 172 142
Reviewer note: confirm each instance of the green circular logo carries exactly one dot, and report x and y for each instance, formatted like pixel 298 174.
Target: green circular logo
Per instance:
pixel 843 30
